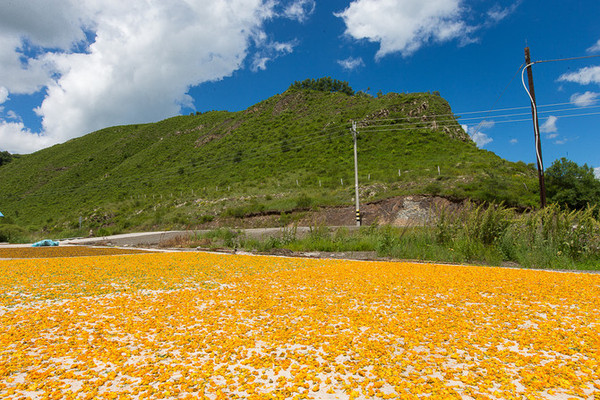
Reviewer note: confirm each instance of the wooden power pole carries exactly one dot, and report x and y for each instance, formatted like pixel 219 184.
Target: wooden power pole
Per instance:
pixel 536 130
pixel 355 136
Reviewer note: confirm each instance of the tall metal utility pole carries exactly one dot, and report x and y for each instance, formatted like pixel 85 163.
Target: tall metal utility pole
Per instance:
pixel 536 129
pixel 354 136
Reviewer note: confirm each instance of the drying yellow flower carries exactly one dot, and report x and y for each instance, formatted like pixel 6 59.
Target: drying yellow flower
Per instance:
pixel 197 325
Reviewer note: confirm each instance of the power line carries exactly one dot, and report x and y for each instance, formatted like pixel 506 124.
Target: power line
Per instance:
pixel 452 122
pixel 98 186
pixel 514 76
pixel 498 99
pixel 330 133
pixel 258 153
pixel 536 128
pixel 579 115
pixel 565 59
pixel 534 110
pixel 459 114
pixel 496 122
pixel 214 164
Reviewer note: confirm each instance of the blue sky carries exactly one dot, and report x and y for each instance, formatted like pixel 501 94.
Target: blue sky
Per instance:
pixel 70 68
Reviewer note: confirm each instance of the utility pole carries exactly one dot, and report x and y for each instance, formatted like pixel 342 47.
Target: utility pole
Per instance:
pixel 354 136
pixel 536 129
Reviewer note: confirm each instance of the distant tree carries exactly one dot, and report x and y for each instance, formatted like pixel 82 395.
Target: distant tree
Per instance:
pixel 5 157
pixel 572 185
pixel 325 84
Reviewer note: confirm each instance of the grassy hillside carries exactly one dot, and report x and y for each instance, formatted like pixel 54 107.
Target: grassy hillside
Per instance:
pixel 291 150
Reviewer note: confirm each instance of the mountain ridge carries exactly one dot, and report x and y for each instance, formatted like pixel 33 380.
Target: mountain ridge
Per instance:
pixel 297 142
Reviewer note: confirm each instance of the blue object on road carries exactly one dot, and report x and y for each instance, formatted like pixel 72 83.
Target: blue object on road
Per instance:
pixel 45 242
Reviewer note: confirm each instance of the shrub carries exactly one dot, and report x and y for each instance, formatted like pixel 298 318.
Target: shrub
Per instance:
pixel 304 201
pixel 242 211
pixel 205 218
pixel 387 239
pixel 571 185
pixel 12 233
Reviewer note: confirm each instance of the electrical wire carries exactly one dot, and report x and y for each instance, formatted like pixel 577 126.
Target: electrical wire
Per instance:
pixel 310 136
pixel 459 114
pixel 497 100
pixel 375 129
pixel 259 153
pixel 534 106
pixel 339 130
pixel 536 128
pixel 481 120
pixel 565 59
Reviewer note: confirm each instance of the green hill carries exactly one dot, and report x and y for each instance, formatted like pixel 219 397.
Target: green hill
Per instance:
pixel 293 150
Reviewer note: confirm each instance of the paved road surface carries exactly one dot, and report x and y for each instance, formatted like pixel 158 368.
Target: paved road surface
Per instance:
pixel 142 239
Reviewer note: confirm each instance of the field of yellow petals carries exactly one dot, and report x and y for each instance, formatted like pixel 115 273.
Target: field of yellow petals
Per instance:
pixel 63 251
pixel 196 325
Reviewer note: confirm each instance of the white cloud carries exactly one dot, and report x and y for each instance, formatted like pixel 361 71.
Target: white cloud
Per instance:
pixel 584 76
pixel 514 141
pixel 595 48
pixel 270 51
pixel 485 124
pixel 259 63
pixel 549 125
pixel 59 25
pixel 3 94
pixel 404 26
pixel 142 58
pixel 300 10
pixel 16 138
pixel 13 115
pixel 20 74
pixel 283 47
pixel 497 13
pixel 351 63
pixel 584 99
pixel 480 138
pixel 597 172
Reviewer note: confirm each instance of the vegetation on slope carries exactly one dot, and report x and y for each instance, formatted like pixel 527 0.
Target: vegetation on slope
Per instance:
pixel 293 150
pixel 551 238
pixel 6 157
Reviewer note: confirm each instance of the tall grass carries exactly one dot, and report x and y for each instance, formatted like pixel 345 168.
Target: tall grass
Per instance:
pixel 555 238
pixel 491 234
pixel 548 238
